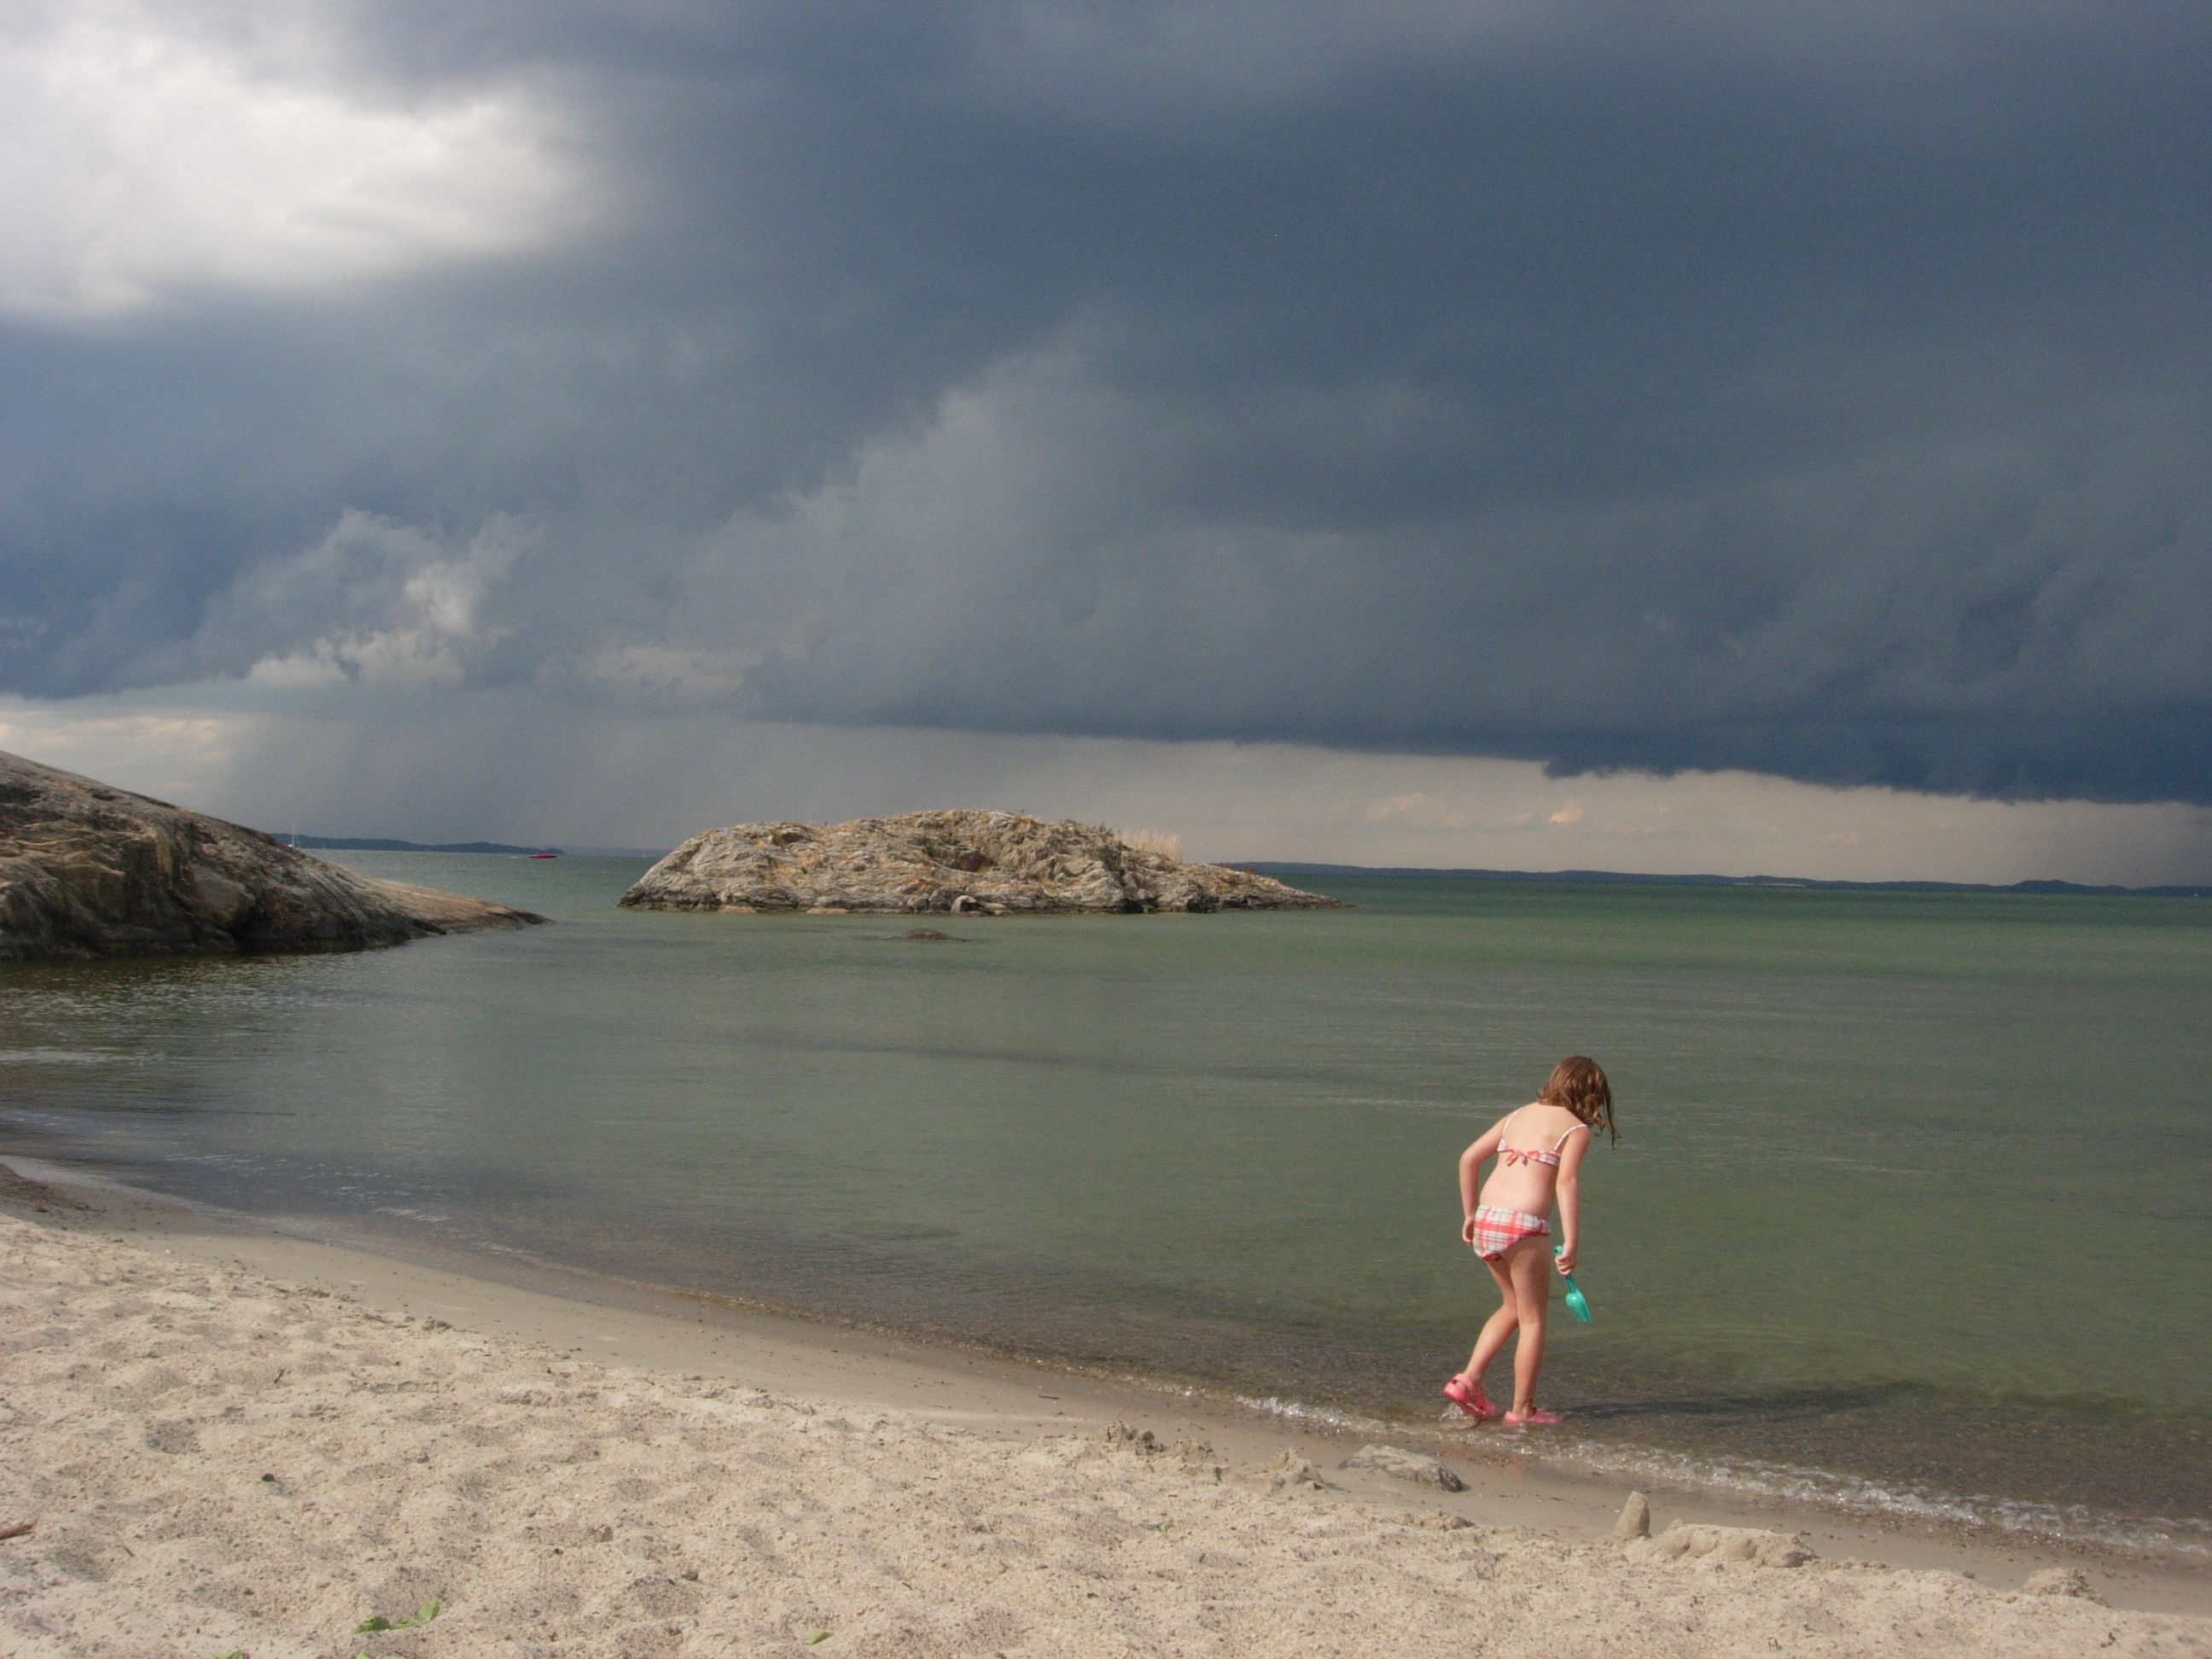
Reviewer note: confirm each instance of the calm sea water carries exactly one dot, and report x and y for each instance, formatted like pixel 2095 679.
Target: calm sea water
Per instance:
pixel 1908 1208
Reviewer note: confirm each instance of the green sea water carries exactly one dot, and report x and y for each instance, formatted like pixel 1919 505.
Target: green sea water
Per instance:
pixel 1908 1209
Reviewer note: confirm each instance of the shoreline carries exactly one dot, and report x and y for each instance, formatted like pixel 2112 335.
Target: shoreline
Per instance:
pixel 598 1321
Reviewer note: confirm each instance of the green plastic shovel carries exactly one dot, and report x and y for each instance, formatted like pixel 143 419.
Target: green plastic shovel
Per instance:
pixel 1577 1303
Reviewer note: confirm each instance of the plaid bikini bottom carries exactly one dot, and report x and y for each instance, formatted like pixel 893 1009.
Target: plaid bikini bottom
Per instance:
pixel 1497 1231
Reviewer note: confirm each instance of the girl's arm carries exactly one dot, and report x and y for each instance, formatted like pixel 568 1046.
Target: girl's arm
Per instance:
pixel 1570 1198
pixel 1470 1174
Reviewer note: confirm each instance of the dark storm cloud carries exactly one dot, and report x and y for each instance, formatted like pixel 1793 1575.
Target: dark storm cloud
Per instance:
pixel 1823 395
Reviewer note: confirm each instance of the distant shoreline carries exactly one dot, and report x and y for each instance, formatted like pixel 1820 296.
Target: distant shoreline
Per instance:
pixel 1277 869
pixel 490 848
pixel 381 844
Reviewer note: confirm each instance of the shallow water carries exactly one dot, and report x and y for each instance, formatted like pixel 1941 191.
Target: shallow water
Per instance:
pixel 1907 1209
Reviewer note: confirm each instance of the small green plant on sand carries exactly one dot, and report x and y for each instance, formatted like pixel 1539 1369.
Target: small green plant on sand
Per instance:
pixel 423 1615
pixel 814 1636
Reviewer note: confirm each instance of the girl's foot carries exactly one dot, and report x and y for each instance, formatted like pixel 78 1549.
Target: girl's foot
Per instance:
pixel 1469 1397
pixel 1531 1418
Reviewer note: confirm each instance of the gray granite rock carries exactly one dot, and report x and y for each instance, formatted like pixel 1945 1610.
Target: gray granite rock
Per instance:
pixel 957 862
pixel 90 871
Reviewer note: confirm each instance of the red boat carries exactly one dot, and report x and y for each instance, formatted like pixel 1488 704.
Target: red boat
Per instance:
pixel 545 855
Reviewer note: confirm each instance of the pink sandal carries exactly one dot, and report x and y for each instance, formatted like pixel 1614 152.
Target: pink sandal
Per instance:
pixel 1469 1397
pixel 1532 1420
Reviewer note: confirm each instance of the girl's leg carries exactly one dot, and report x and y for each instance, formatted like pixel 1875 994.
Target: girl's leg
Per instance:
pixel 1496 1329
pixel 1528 1271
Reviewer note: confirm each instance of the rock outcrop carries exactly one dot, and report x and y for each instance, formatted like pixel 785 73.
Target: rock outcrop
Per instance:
pixel 961 862
pixel 90 871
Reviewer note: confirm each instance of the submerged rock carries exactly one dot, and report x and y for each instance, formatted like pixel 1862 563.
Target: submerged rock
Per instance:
pixel 90 871
pixel 959 862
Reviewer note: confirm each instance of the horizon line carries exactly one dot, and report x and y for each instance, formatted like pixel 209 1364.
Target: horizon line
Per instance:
pixel 1294 867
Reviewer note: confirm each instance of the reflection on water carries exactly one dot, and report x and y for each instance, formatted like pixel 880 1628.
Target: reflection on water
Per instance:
pixel 1223 1147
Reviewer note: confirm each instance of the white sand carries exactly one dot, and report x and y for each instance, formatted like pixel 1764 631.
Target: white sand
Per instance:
pixel 216 1460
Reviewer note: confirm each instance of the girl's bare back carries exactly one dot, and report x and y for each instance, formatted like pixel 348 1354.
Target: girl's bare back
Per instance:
pixel 1527 1174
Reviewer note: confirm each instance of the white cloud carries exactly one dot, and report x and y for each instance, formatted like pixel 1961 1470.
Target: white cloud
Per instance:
pixel 399 607
pixel 142 158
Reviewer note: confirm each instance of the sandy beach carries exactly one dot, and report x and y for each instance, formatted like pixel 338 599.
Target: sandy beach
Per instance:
pixel 213 1455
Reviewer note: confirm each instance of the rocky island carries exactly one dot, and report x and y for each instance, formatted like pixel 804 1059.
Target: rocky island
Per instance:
pixel 90 871
pixel 952 862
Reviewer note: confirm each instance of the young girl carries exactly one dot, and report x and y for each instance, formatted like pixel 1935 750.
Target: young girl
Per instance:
pixel 1540 1152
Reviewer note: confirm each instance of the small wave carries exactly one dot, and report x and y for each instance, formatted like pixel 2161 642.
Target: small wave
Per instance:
pixel 245 1162
pixel 1325 1417
pixel 66 1057
pixel 1854 1494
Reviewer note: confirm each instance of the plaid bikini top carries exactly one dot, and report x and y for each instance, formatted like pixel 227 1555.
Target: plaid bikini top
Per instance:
pixel 1523 1155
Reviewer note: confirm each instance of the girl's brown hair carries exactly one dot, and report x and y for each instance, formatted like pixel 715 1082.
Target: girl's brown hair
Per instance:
pixel 1578 1085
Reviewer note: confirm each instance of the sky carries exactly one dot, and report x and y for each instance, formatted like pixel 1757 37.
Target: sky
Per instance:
pixel 1759 438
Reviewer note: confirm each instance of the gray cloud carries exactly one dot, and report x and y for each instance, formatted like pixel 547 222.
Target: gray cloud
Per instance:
pixel 1821 397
